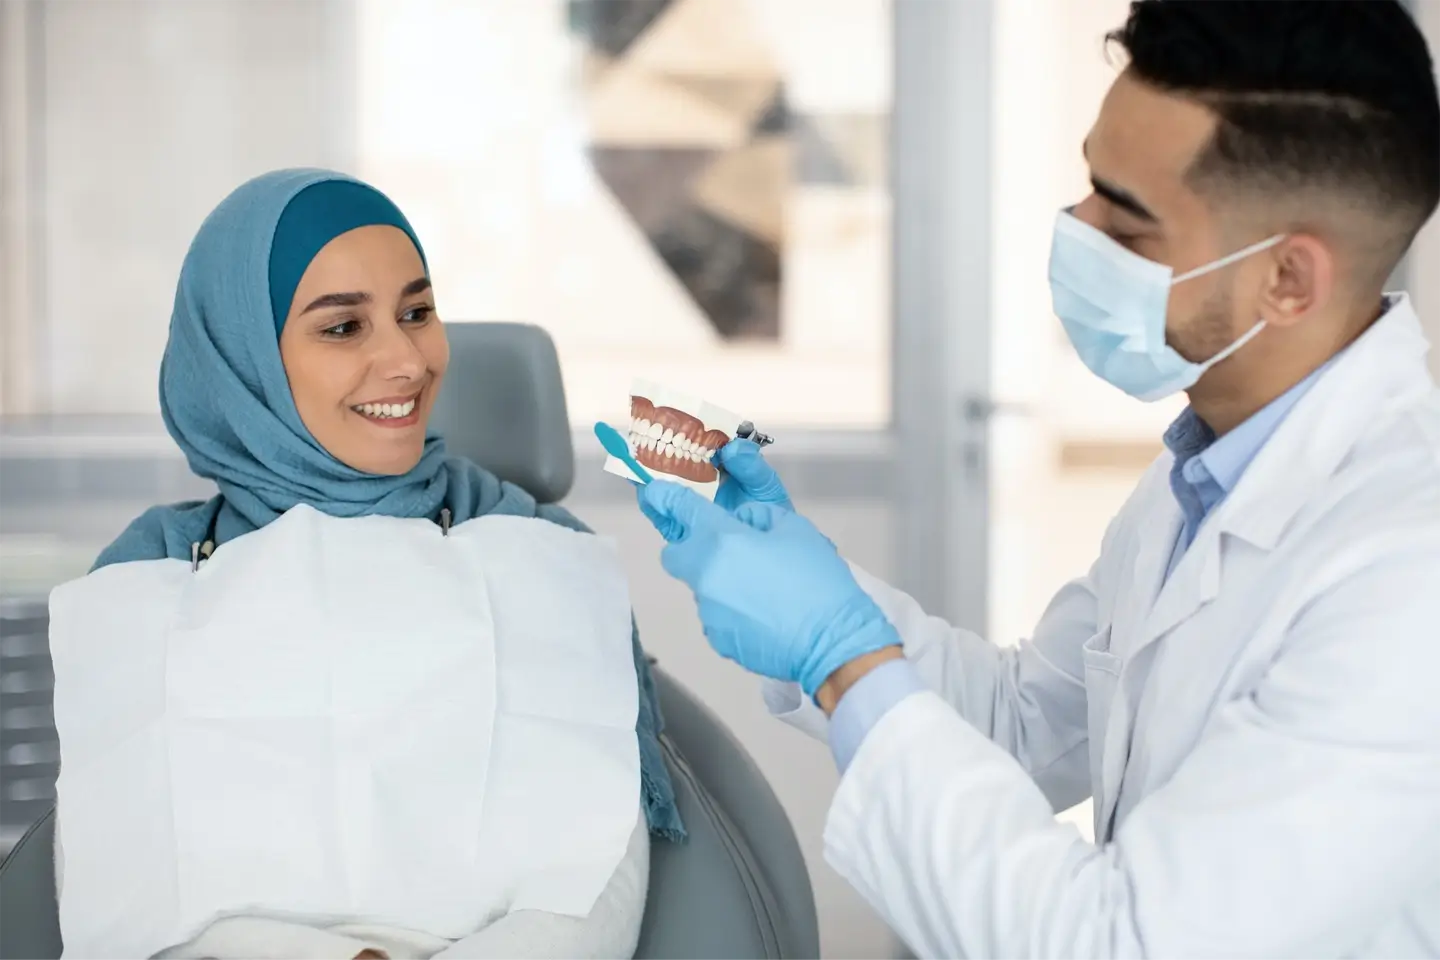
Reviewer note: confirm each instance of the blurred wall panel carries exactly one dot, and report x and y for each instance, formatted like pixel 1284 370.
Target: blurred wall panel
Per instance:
pixel 17 386
pixel 150 111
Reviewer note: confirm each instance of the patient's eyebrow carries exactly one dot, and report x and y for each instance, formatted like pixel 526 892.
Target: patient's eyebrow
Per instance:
pixel 355 299
pixel 337 300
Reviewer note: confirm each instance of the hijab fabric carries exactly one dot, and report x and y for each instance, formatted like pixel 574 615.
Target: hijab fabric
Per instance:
pixel 226 401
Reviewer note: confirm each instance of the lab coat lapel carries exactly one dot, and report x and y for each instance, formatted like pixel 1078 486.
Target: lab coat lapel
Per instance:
pixel 1194 583
pixel 1385 365
pixel 1383 371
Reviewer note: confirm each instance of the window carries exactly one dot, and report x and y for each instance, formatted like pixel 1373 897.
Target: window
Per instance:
pixel 688 191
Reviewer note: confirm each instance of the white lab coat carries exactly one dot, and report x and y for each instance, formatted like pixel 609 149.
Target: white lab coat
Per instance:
pixel 1260 733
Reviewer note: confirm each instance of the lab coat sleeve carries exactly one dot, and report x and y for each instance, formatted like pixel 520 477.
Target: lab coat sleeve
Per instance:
pixel 1304 816
pixel 1029 699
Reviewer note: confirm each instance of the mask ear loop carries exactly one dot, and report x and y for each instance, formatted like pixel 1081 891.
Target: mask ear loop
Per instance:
pixel 1235 257
pixel 1243 339
pixel 1223 262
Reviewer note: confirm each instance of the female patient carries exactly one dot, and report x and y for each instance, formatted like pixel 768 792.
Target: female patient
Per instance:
pixel 304 357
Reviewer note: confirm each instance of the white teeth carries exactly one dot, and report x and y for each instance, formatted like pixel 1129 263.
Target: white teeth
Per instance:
pixel 667 443
pixel 386 411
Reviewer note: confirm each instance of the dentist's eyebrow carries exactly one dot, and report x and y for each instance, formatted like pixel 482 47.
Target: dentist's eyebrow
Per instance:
pixel 337 300
pixel 1122 199
pixel 1117 196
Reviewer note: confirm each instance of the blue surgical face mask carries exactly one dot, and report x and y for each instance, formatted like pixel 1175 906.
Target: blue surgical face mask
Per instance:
pixel 1113 303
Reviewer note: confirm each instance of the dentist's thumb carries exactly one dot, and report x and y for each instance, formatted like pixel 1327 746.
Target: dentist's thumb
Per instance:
pixel 746 466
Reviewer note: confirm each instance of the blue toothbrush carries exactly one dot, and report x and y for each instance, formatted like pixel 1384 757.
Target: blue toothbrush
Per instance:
pixel 616 446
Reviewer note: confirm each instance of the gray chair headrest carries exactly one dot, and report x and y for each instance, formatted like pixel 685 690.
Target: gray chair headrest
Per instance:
pixel 503 406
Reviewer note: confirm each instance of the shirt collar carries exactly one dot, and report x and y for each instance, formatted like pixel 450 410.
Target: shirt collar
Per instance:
pixel 1225 458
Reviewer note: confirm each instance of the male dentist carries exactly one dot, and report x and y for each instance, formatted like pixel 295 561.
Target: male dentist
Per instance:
pixel 1247 680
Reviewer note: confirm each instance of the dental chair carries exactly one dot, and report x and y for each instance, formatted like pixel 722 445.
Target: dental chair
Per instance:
pixel 738 885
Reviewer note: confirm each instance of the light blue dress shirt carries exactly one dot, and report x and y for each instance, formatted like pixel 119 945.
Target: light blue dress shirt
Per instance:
pixel 1206 469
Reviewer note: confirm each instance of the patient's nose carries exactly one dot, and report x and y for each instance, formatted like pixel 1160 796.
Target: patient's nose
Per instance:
pixel 396 356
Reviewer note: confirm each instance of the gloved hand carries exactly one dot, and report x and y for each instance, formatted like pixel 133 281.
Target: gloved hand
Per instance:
pixel 745 478
pixel 773 593
pixel 748 478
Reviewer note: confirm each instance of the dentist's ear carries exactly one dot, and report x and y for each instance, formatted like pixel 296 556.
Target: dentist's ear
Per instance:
pixel 1300 280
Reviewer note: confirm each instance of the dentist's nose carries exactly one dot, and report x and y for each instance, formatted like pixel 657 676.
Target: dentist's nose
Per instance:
pixel 1089 212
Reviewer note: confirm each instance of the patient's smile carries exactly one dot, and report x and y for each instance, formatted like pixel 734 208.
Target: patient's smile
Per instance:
pixel 673 442
pixel 394 411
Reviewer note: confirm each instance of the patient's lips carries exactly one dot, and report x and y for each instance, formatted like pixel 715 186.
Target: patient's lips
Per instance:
pixel 673 442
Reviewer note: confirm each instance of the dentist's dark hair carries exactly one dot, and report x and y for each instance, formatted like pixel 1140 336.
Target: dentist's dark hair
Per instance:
pixel 1331 97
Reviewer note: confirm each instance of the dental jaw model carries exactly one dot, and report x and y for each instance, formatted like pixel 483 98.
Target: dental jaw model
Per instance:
pixel 675 437
pixel 672 442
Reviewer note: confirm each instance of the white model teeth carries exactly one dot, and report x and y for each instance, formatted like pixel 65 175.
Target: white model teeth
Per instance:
pixel 386 411
pixel 665 442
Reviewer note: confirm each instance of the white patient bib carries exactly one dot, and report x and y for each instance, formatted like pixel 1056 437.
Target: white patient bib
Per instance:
pixel 355 719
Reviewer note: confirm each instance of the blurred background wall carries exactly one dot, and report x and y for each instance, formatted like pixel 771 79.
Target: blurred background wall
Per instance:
pixel 830 215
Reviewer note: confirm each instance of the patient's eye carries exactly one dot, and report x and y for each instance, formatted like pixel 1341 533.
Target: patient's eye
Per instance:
pixel 417 315
pixel 342 330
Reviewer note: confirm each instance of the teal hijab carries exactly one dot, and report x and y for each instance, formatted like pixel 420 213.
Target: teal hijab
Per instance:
pixel 226 401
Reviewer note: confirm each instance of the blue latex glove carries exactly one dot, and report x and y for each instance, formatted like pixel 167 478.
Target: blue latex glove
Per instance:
pixel 745 478
pixel 748 478
pixel 773 593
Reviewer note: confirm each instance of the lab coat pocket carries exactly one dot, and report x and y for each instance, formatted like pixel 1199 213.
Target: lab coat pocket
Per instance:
pixel 1102 680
